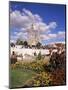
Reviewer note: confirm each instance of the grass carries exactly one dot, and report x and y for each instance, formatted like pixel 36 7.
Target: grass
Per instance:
pixel 19 77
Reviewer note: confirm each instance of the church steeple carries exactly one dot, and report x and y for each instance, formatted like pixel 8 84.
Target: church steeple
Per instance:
pixel 33 35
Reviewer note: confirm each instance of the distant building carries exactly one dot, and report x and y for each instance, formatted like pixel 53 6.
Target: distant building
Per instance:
pixel 33 35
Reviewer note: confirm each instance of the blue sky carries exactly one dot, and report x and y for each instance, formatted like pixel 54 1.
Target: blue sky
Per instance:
pixel 49 17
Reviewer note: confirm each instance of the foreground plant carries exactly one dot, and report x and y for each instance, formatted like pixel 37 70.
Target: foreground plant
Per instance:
pixel 41 79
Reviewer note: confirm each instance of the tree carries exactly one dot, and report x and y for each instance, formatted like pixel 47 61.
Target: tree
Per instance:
pixel 13 58
pixel 39 56
pixel 19 42
pixel 38 45
pixel 25 43
pixel 58 77
pixel 12 45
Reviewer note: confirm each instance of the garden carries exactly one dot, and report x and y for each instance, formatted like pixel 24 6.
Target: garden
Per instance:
pixel 39 72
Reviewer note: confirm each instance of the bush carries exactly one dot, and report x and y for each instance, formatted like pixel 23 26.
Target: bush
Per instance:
pixel 13 58
pixel 58 77
pixel 57 69
pixel 36 66
pixel 51 74
pixel 39 57
pixel 41 79
pixel 35 54
pixel 38 45
pixel 56 61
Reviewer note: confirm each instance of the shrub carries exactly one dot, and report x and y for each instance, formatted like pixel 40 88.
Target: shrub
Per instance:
pixel 38 45
pixel 36 66
pixel 13 58
pixel 57 69
pixel 56 61
pixel 41 79
pixel 58 77
pixel 35 54
pixel 39 57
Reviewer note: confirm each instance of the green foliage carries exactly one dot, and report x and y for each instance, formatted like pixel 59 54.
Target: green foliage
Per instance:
pixel 12 44
pixel 35 66
pixel 57 69
pixel 13 58
pixel 19 42
pixel 19 77
pixel 39 57
pixel 41 79
pixel 38 45
pixel 46 74
pixel 56 61
pixel 25 43
pixel 35 54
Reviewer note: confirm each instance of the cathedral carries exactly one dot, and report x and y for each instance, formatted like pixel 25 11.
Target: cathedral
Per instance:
pixel 33 35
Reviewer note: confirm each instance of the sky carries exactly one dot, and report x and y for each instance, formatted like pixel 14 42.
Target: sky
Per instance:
pixel 49 19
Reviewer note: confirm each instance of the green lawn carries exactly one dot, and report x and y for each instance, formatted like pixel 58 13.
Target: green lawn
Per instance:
pixel 19 77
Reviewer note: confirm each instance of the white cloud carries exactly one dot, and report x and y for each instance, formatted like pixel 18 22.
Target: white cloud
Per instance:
pixel 13 38
pixel 29 14
pixel 23 20
pixel 38 18
pixel 12 41
pixel 15 33
pixel 52 35
pixel 26 18
pixel 60 34
pixel 48 36
pixel 45 37
pixel 18 35
pixel 52 25
pixel 17 20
